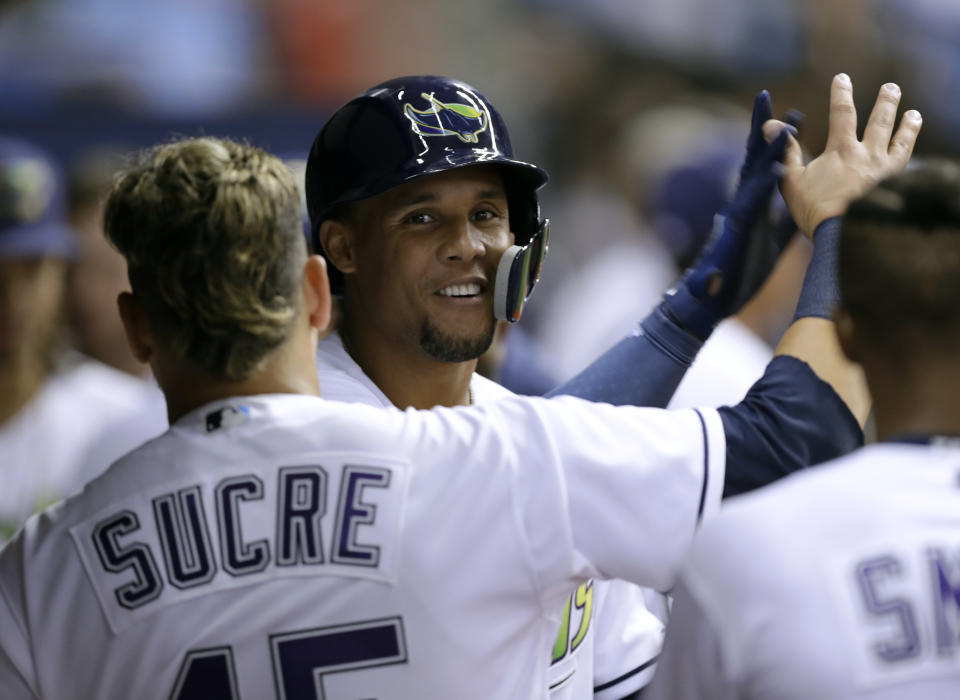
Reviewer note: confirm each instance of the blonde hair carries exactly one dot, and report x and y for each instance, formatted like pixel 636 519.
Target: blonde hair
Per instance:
pixel 213 237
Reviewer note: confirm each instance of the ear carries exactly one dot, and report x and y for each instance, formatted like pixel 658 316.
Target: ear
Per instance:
pixel 136 326
pixel 338 242
pixel 316 292
pixel 846 333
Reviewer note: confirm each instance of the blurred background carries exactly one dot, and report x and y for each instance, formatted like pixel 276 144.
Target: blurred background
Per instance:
pixel 637 108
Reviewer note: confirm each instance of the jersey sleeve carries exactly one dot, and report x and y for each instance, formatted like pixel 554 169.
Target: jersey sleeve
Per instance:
pixel 16 665
pixel 691 665
pixel 612 492
pixel 790 419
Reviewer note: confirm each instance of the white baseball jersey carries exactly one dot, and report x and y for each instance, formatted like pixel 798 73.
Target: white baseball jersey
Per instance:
pixel 287 546
pixel 842 582
pixel 607 641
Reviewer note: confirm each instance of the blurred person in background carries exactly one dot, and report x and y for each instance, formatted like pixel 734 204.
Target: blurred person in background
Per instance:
pixel 55 405
pixel 603 251
pixel 98 273
pixel 515 362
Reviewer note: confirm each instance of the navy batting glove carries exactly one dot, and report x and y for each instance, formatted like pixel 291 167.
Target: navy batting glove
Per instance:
pixel 743 248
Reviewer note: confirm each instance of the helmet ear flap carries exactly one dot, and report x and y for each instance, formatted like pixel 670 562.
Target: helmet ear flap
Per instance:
pixel 507 299
pixel 523 205
pixel 517 275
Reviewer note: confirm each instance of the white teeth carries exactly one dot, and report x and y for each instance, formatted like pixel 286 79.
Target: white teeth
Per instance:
pixel 461 290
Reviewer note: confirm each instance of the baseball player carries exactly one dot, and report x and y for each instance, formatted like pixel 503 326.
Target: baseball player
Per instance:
pixel 863 600
pixel 390 186
pixel 274 544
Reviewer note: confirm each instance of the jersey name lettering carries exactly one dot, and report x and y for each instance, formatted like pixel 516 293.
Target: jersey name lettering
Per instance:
pixel 908 624
pixel 156 547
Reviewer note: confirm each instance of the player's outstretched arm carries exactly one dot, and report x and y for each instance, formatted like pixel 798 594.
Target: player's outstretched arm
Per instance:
pixel 811 402
pixel 645 368
pixel 817 194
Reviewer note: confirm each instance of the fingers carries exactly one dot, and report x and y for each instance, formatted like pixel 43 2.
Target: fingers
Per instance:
pixel 770 162
pixel 791 153
pixel 762 111
pixel 906 137
pixel 843 115
pixel 795 118
pixel 876 135
pixel 772 129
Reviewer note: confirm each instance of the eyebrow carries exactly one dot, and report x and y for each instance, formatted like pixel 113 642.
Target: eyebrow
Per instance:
pixel 428 197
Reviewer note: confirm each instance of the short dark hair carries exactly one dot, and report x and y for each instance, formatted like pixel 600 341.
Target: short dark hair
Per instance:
pixel 212 234
pixel 900 257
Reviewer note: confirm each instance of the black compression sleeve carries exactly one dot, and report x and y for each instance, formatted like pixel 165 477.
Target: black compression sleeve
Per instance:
pixel 790 419
pixel 643 369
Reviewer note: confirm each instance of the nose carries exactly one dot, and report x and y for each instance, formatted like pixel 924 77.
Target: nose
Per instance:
pixel 465 242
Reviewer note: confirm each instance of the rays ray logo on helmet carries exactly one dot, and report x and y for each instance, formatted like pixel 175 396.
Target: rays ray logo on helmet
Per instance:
pixel 446 119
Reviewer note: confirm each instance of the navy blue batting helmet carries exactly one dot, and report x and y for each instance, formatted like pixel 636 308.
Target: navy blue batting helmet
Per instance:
pixel 406 128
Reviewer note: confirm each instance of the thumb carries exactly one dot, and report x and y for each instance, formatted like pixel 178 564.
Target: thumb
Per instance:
pixel 773 127
pixel 793 155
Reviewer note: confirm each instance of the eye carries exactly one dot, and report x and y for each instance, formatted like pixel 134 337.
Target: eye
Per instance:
pixel 485 215
pixel 419 217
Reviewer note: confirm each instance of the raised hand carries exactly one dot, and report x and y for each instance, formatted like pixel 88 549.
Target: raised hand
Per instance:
pixel 847 167
pixel 741 252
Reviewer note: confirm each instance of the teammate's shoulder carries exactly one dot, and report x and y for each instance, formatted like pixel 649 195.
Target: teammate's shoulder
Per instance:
pixel 769 518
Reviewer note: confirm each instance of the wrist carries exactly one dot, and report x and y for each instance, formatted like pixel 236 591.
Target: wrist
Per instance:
pixel 818 216
pixel 688 312
pixel 820 292
pixel 666 332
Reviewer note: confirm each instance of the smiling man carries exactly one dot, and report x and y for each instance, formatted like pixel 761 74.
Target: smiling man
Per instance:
pixel 419 263
pixel 417 202
pixel 414 197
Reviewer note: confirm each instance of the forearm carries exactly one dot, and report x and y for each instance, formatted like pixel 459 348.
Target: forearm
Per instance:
pixel 643 369
pixel 812 336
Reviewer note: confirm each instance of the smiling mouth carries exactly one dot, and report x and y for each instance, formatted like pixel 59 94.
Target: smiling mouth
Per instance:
pixel 461 291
